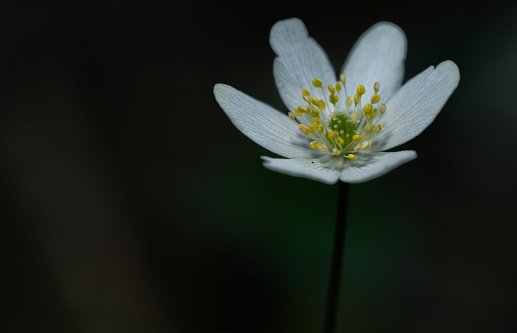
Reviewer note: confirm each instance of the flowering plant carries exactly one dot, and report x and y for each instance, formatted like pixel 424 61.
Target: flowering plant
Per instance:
pixel 340 127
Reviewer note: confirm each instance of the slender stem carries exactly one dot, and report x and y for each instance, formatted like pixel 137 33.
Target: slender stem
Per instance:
pixel 337 258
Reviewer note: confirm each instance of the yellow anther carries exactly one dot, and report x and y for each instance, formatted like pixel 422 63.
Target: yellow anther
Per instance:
pixel 357 148
pixel 377 87
pixel 338 86
pixel 320 128
pixel 323 148
pixel 340 141
pixel 302 109
pixel 333 98
pixel 375 98
pixel 322 105
pixel 356 99
pixel 304 129
pixel 368 128
pixel 314 145
pixel 349 101
pixel 367 109
pixel 315 101
pixel 383 108
pixel 310 109
pixel 352 157
pixel 316 112
pixel 356 137
pixel 291 116
pixel 307 98
pixel 334 115
pixel 360 90
pixel 377 129
pixel 336 151
pixel 333 135
pixel 311 128
pixel 374 113
pixel 331 89
pixel 342 78
pixel 297 112
pixel 305 92
pixel 365 145
pixel 381 126
pixel 317 83
pixel 354 116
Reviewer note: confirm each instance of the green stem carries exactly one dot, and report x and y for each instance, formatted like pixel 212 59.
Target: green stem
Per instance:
pixel 337 258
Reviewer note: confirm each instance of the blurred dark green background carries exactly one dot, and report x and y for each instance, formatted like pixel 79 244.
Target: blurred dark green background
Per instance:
pixel 130 203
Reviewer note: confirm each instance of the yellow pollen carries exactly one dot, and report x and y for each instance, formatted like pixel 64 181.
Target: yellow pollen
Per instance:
pixel 315 101
pixel 357 148
pixel 304 129
pixel 383 108
pixel 365 145
pixel 314 145
pixel 316 112
pixel 291 116
pixel 324 148
pixel 340 141
pixel 342 78
pixel 360 90
pixel 376 98
pixel 331 89
pixel 377 87
pixel 302 109
pixel 297 112
pixel 336 151
pixel 320 128
pixel 333 98
pixel 338 86
pixel 356 137
pixel 352 157
pixel 311 128
pixel 307 98
pixel 317 83
pixel 305 92
pixel 322 105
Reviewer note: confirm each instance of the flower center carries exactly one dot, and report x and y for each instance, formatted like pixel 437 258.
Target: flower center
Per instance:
pixel 339 125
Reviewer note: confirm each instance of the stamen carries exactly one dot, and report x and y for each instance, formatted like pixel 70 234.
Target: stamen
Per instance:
pixel 339 132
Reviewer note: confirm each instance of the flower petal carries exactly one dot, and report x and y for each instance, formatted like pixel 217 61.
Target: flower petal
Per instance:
pixel 263 124
pixel 377 56
pixel 324 169
pixel 299 61
pixel 372 165
pixel 416 104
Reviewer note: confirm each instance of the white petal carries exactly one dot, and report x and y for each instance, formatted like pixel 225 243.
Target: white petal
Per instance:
pixel 324 169
pixel 261 123
pixel 372 165
pixel 416 105
pixel 378 56
pixel 299 61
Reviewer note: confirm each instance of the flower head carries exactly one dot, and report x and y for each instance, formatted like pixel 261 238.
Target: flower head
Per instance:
pixel 339 126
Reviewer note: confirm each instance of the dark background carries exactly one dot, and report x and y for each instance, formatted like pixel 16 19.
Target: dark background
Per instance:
pixel 130 203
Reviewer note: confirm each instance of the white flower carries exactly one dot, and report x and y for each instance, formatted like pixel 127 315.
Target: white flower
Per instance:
pixel 339 127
